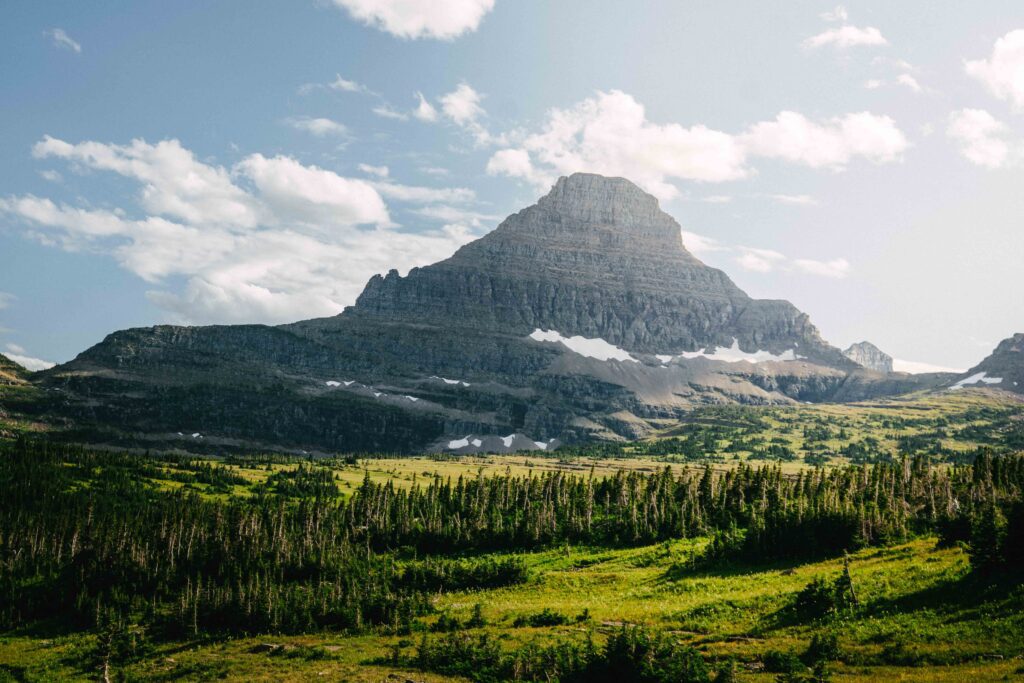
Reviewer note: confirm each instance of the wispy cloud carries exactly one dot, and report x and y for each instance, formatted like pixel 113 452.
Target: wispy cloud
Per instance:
pixel 320 127
pixel 419 18
pixel 62 40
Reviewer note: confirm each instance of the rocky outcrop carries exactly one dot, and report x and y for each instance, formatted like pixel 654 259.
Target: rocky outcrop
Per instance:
pixel 867 355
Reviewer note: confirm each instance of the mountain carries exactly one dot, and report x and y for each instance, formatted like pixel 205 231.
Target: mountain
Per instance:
pixel 11 372
pixel 1002 369
pixel 869 356
pixel 580 317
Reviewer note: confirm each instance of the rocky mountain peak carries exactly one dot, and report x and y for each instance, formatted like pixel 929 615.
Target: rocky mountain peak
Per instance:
pixel 591 198
pixel 869 356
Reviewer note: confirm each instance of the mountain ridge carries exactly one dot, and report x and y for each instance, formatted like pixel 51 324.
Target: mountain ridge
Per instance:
pixel 451 349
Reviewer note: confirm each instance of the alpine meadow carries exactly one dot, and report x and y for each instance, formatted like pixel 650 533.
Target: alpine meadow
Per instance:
pixel 407 341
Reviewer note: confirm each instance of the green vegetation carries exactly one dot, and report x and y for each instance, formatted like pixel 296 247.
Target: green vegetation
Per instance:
pixel 578 567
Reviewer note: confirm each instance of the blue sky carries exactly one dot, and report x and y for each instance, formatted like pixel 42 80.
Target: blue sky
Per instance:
pixel 206 162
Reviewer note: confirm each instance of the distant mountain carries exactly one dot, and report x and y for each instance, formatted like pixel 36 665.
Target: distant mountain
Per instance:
pixel 869 356
pixel 580 317
pixel 1003 369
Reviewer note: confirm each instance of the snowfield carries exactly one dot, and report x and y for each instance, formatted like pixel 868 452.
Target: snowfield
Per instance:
pixel 591 348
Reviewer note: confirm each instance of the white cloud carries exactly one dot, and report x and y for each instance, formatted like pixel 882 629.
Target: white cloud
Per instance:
pixel 6 298
pixel 419 18
pixel 423 195
pixel 794 199
pixel 309 242
pixel 462 106
pixel 17 354
pixel 846 37
pixel 837 14
pixel 379 171
pixel 319 127
pixel 760 260
pixel 873 84
pixel 51 175
pixel 699 244
pixel 173 182
pixel 836 268
pixel 454 215
pixel 339 84
pixel 829 144
pixel 312 195
pixel 1003 72
pixel 385 111
pixel 345 85
pixel 62 40
pixel 610 134
pixel 425 111
pixel 981 136
pixel 908 81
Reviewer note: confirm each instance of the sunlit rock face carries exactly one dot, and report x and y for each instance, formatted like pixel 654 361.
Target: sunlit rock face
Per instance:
pixel 869 356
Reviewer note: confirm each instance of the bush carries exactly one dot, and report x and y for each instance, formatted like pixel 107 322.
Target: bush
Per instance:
pixel 781 662
pixel 824 647
pixel 546 617
pixel 821 598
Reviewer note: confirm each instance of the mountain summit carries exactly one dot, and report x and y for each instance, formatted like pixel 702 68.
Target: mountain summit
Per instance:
pixel 594 257
pixel 580 317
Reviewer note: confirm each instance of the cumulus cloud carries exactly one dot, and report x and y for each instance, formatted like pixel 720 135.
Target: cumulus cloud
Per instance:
pixel 173 182
pixel 759 260
pixel 419 18
pixel 845 37
pixel 6 298
pixel 837 14
pixel 982 137
pixel 1003 72
pixel 829 144
pixel 463 107
pixel 610 134
pixel 62 40
pixel 269 240
pixel 320 127
pixel 424 111
pixel 18 355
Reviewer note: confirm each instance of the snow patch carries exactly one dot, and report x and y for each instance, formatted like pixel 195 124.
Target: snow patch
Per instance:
pixel 477 443
pixel 450 381
pixel 507 440
pixel 974 379
pixel 460 443
pixel 591 348
pixel 332 383
pixel 197 435
pixel 412 398
pixel 734 354
pixel 665 360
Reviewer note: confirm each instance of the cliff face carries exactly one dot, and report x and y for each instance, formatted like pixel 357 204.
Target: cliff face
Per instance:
pixel 452 348
pixel 869 356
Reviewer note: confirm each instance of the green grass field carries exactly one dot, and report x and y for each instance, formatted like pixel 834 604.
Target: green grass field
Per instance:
pixel 921 619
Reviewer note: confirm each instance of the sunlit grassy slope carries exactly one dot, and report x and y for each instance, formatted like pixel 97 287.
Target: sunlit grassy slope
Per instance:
pixel 921 619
